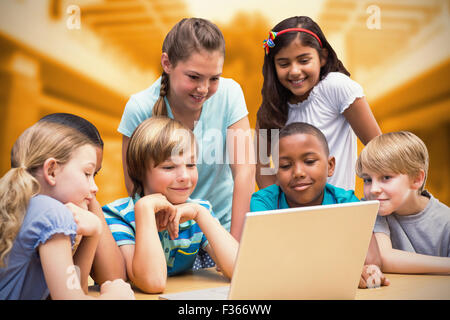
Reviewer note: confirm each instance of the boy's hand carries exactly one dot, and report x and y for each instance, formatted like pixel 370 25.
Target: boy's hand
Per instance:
pixel 184 212
pixel 372 277
pixel 161 207
pixel 88 224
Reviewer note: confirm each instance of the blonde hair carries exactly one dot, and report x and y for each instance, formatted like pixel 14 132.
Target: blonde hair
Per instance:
pixel 187 36
pixel 397 152
pixel 153 142
pixel 35 145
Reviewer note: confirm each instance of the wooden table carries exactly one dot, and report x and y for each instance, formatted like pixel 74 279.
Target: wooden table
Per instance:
pixel 402 287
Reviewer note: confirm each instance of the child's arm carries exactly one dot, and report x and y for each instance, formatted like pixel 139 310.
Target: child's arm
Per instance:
pixel 239 138
pixel 108 261
pixel 263 179
pixel 61 276
pixel 90 228
pixel 128 182
pixel 145 261
pixel 362 120
pixel 371 276
pixel 222 245
pixel 399 261
pixel 373 254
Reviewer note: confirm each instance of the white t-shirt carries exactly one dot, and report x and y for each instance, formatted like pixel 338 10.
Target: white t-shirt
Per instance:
pixel 323 109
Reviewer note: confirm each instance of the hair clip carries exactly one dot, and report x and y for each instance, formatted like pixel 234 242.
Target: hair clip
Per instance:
pixel 269 42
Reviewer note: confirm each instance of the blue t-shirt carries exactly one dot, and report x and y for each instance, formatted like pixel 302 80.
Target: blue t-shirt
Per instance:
pixel 23 277
pixel 272 198
pixel 180 253
pixel 223 109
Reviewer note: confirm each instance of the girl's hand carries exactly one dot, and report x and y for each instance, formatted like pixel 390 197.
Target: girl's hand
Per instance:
pixel 117 290
pixel 184 212
pixel 372 277
pixel 95 207
pixel 88 224
pixel 161 207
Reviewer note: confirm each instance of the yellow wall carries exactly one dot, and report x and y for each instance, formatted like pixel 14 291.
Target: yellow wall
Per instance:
pixel 35 80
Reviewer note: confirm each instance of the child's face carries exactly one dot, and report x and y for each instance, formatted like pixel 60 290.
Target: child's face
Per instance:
pixel 394 191
pixel 298 69
pixel 75 179
pixel 303 169
pixel 98 165
pixel 175 178
pixel 194 80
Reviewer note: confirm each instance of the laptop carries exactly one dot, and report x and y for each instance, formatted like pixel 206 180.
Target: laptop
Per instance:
pixel 298 253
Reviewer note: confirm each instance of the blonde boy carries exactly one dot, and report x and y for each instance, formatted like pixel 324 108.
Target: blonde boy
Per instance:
pixel 412 228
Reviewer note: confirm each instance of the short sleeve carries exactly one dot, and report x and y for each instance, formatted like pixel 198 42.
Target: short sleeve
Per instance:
pixel 260 203
pixel 46 217
pixel 341 90
pixel 121 228
pixel 132 116
pixel 204 203
pixel 381 225
pixel 236 103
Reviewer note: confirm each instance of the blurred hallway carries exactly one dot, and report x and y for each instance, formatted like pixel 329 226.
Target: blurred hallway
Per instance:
pixel 88 56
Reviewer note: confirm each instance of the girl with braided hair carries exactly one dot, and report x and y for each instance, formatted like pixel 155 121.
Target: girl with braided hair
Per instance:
pixel 192 91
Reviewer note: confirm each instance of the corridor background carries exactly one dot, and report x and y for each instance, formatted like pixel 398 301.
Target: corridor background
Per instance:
pixel 87 57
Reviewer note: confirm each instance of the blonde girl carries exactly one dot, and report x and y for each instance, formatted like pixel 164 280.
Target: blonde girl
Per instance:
pixel 44 201
pixel 108 261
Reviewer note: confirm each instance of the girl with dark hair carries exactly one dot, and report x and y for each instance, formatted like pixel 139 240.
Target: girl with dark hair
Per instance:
pixel 304 81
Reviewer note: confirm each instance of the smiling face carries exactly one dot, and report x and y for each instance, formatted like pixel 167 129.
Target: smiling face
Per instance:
pixel 193 80
pixel 303 169
pixel 175 178
pixel 298 69
pixel 394 191
pixel 74 180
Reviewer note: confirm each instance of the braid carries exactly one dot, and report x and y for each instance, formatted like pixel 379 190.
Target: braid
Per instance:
pixel 160 109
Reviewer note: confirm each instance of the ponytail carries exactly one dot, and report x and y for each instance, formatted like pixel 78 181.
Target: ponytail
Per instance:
pixel 17 187
pixel 35 145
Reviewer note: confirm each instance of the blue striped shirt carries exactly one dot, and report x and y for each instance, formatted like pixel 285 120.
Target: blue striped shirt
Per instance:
pixel 180 253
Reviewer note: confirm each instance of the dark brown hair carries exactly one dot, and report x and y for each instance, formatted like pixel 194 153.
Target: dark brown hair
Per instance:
pixel 273 111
